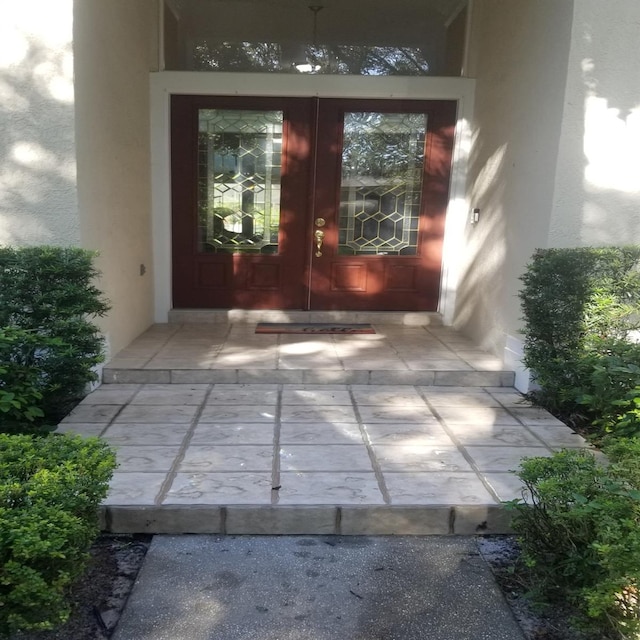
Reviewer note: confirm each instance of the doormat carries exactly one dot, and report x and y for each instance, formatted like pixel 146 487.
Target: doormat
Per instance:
pixel 313 327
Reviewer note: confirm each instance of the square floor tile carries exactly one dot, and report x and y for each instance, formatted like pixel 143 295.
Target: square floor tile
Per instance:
pixel 93 413
pixel 315 397
pixel 317 414
pixel 558 437
pixel 535 416
pixel 230 433
pixel 334 488
pixel 437 365
pixel 244 394
pixel 509 398
pixel 438 398
pixel 238 413
pixel 111 394
pixel 413 415
pixel 437 488
pixel 145 434
pixel 419 458
pixel 82 428
pixel 146 457
pixel 476 415
pixel 400 396
pixel 134 488
pixel 490 434
pixel 320 434
pixel 507 486
pixel 503 458
pixel 220 488
pixel 171 394
pixel 170 414
pixel 407 434
pixel 215 458
pixel 328 457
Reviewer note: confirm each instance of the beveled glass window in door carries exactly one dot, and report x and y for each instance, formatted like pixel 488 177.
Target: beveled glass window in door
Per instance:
pixel 381 187
pixel 239 167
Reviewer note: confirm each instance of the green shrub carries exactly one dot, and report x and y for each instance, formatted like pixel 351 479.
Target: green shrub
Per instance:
pixel 50 489
pixel 578 304
pixel 580 534
pixel 48 293
pixel 609 394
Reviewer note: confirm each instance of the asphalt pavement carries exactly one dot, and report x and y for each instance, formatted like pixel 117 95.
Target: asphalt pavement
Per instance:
pixel 209 587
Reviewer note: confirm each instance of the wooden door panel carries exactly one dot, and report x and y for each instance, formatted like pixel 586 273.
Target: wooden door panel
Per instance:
pixel 381 281
pixel 214 262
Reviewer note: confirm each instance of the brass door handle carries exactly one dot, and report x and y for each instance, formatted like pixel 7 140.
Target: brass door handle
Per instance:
pixel 319 234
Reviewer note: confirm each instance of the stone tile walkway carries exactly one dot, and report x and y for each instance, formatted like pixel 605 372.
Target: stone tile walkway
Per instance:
pixel 376 455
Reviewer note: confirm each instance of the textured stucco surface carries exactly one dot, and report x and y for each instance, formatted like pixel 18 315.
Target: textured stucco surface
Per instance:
pixel 113 45
pixel 38 199
pixel 519 53
pixel 597 186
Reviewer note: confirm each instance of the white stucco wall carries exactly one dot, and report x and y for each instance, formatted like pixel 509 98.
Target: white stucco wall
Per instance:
pixel 38 200
pixel 597 187
pixel 114 52
pixel 518 55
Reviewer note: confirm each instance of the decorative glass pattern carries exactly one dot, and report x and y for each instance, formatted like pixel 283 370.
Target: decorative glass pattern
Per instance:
pixel 380 194
pixel 239 165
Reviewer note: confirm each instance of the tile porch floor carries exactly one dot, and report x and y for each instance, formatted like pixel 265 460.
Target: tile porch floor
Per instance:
pixel 219 430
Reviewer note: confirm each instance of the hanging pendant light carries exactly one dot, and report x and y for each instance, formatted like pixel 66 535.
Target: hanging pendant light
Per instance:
pixel 310 64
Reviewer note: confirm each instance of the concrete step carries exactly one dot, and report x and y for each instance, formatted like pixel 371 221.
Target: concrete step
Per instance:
pixel 423 519
pixel 244 316
pixel 393 377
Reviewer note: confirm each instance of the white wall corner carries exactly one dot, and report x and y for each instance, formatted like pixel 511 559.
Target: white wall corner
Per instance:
pixel 513 360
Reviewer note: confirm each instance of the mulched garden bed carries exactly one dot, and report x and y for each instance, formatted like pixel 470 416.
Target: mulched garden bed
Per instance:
pixel 99 597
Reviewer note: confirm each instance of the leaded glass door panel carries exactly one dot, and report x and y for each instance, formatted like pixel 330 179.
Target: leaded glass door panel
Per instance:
pixel 240 171
pixel 384 167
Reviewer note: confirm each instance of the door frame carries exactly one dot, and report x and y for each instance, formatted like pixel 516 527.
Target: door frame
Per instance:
pixel 167 83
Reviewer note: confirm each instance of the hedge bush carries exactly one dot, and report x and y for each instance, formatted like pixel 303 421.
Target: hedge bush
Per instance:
pixel 50 489
pixel 580 307
pixel 580 534
pixel 48 345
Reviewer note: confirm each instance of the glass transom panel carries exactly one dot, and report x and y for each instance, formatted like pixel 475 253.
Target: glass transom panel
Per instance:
pixel 239 169
pixel 381 185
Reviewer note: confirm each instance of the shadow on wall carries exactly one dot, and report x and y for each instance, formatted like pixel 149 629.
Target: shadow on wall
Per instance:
pixel 486 248
pixel 38 202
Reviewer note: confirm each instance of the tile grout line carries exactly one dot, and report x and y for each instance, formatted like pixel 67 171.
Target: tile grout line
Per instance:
pixel 275 464
pixel 164 344
pixel 515 417
pixel 382 486
pixel 171 474
pixel 460 447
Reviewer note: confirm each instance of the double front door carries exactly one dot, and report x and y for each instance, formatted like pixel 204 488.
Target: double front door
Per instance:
pixel 306 203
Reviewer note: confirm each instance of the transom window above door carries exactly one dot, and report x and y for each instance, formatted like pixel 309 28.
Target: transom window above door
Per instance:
pixel 344 37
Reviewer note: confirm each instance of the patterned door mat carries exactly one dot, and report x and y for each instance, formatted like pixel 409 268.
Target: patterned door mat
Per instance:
pixel 313 327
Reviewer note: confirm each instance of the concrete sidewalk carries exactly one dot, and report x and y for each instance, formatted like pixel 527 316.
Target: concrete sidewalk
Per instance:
pixel 315 588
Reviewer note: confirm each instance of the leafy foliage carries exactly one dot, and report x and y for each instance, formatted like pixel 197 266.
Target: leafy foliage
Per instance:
pixel 580 306
pixel 50 489
pixel 580 534
pixel 609 394
pixel 48 346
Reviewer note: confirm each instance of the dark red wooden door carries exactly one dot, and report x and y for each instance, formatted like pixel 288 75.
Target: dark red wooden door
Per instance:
pixel 299 203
